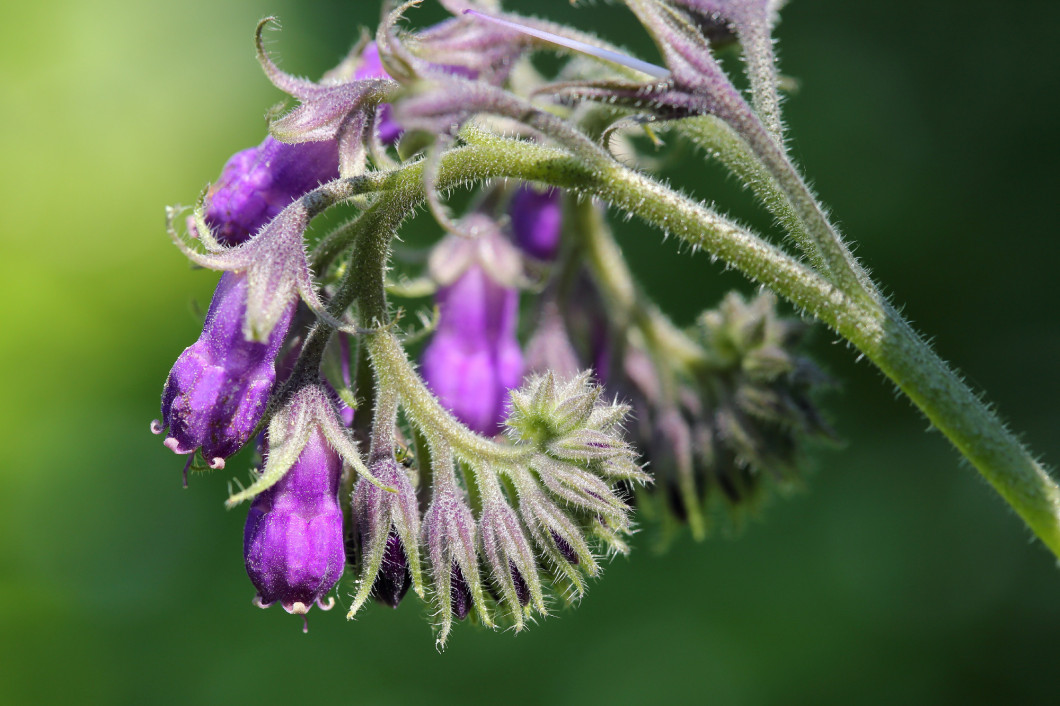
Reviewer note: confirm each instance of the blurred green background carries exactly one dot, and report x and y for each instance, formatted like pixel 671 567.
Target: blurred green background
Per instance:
pixel 898 577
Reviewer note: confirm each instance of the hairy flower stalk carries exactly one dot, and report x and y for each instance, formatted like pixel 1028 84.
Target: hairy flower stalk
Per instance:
pixel 522 476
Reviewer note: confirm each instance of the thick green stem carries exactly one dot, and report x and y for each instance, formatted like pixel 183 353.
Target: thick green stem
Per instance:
pixel 393 370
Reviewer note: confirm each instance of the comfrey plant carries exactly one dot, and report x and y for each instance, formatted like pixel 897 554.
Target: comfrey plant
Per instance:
pixel 493 477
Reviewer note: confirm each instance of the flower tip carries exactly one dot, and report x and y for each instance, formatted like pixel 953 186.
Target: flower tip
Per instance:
pixel 173 445
pixel 157 427
pixel 217 463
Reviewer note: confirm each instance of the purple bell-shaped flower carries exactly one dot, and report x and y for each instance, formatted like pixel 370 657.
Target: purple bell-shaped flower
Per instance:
pixel 537 221
pixel 474 357
pixel 257 183
pixel 217 391
pixel 293 541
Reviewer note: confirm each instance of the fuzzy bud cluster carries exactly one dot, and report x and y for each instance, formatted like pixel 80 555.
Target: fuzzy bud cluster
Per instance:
pixel 739 420
pixel 543 518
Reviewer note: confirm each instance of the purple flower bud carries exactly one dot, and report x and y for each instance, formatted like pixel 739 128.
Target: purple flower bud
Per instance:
pixel 511 558
pixel 372 67
pixel 522 591
pixel 388 526
pixel 293 543
pixel 564 547
pixel 452 545
pixel 257 183
pixel 474 357
pixel 216 393
pixel 537 221
pixel 459 593
pixel 393 580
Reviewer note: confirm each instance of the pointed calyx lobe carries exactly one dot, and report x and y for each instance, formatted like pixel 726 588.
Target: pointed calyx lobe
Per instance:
pixel 274 265
pixel 696 84
pixel 348 106
pixel 451 536
pixel 388 528
pixel 340 109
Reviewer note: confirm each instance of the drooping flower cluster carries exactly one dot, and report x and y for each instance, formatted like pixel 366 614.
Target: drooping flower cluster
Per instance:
pixel 739 416
pixel 499 468
pixel 499 526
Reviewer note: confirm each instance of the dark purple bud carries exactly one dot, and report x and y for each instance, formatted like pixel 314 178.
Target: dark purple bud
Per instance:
pixel 564 547
pixel 257 183
pixel 459 593
pixel 389 525
pixel 393 580
pixel 537 221
pixel 293 542
pixel 522 591
pixel 216 393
